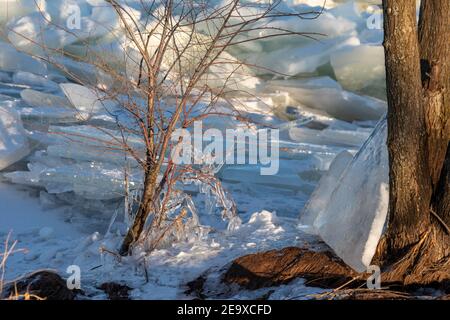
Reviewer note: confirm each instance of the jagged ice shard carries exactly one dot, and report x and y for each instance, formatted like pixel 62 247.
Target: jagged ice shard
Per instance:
pixel 13 141
pixel 351 219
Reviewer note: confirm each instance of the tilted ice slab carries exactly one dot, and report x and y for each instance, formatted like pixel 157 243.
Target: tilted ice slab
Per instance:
pixel 96 137
pixel 49 115
pixel 12 60
pixel 344 138
pixel 81 152
pixel 87 179
pixel 360 67
pixel 86 100
pixel 36 98
pixel 82 72
pixel 327 95
pixel 33 80
pixel 327 24
pixel 43 108
pixel 321 130
pixel 351 218
pixel 318 201
pixel 87 143
pixel 296 60
pixel 13 141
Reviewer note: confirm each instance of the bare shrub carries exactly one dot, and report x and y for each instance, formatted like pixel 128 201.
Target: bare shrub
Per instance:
pixel 173 69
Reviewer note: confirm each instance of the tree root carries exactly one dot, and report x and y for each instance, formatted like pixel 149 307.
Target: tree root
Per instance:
pixel 276 267
pixel 414 270
pixel 426 263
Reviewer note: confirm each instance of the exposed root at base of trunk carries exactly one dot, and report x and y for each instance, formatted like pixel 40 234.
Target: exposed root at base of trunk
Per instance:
pixel 276 267
pixel 325 270
pixel 426 263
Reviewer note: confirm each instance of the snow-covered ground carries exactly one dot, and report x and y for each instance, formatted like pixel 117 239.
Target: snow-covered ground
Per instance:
pixel 56 239
pixel 63 202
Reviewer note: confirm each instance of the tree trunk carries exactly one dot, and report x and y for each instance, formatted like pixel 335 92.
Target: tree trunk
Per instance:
pixel 407 142
pixel 415 248
pixel 434 35
pixel 146 206
pixel 441 199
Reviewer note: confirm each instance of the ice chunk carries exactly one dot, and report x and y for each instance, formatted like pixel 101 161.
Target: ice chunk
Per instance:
pixel 38 165
pixel 292 61
pixel 86 100
pixel 40 99
pixel 87 179
pixel 373 37
pixel 47 108
pixel 47 27
pixel 326 24
pixel 105 140
pixel 348 10
pixel 12 60
pixel 61 11
pixel 325 94
pixel 47 115
pixel 13 141
pixel 264 218
pixel 40 32
pixel 10 9
pixel 82 72
pixel 28 33
pixel 95 181
pixel 345 138
pixel 195 48
pixel 321 196
pixel 33 80
pixel 352 220
pixel 240 79
pixel 361 68
pixel 92 153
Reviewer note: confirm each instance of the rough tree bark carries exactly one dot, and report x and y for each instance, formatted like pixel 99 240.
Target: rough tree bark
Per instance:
pixel 416 248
